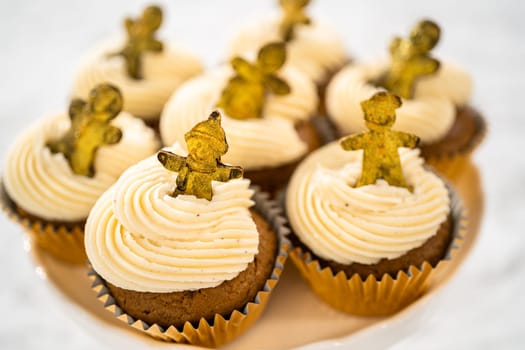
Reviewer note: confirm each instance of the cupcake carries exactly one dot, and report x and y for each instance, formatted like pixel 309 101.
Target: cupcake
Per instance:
pixel 177 247
pixel 371 223
pixel 57 168
pixel 313 47
pixel 435 98
pixel 146 69
pixel 266 114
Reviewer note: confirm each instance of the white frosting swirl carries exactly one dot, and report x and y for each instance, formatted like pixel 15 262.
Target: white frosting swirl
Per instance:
pixel 43 184
pixel 140 238
pixel 316 49
pixel 364 224
pixel 429 115
pixel 253 143
pixel 163 73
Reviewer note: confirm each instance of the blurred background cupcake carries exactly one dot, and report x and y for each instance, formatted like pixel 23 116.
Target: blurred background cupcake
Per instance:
pixel 266 110
pixel 435 98
pixel 145 68
pixel 57 168
pixel 314 47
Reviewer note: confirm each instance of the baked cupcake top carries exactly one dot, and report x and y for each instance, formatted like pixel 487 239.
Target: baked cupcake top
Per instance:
pixel 261 141
pixel 156 230
pixel 146 69
pixel 349 209
pixel 39 174
pixel 313 47
pixel 430 97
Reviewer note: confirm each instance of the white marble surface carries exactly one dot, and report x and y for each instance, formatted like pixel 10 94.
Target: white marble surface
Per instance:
pixel 41 43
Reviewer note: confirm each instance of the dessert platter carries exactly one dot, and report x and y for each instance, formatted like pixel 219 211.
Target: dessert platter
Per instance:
pixel 295 318
pixel 293 197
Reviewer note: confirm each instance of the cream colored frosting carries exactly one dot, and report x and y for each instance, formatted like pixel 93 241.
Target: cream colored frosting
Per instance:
pixel 140 238
pixel 163 73
pixel 364 224
pixel 316 50
pixel 429 115
pixel 253 143
pixel 43 184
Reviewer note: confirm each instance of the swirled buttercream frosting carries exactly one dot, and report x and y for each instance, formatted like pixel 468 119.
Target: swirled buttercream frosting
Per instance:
pixel 430 114
pixel 364 224
pixel 138 237
pixel 253 143
pixel 43 184
pixel 316 49
pixel 163 73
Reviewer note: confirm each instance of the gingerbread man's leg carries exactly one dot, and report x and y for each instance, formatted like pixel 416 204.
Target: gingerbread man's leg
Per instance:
pixel 134 65
pixel 368 177
pixel 393 174
pixel 83 162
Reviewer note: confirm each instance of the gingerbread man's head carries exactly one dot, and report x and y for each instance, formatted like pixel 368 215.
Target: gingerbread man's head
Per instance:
pixel 151 19
pixel 105 101
pixel 380 110
pixel 206 142
pixel 424 36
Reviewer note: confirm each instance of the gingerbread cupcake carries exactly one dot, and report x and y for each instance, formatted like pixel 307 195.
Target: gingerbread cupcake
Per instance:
pixel 179 249
pixel 371 224
pixel 435 98
pixel 314 47
pixel 146 69
pixel 267 114
pixel 59 166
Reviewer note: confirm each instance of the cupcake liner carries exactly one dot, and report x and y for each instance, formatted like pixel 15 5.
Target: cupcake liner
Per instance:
pixel 64 242
pixel 388 295
pixel 451 164
pixel 222 329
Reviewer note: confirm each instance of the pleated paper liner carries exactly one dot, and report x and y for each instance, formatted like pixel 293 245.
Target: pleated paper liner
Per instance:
pixel 221 329
pixel 382 297
pixel 452 164
pixel 62 241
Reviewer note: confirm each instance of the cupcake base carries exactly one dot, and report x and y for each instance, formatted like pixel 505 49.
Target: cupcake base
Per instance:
pixel 204 303
pixel 450 154
pixel 220 328
pixel 432 252
pixel 64 241
pixel 364 291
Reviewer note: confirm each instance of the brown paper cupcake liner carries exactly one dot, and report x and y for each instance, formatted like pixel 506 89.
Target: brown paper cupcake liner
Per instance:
pixel 222 329
pixel 373 297
pixel 62 241
pixel 451 164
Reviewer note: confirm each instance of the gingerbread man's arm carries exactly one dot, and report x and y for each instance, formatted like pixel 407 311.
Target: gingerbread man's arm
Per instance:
pixel 154 45
pixel 75 107
pixel 112 135
pixel 354 142
pixel 171 161
pixel 406 140
pixel 426 65
pixel 394 45
pixel 129 24
pixel 227 172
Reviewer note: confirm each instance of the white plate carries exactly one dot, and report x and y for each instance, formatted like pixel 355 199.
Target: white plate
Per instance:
pixel 294 318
